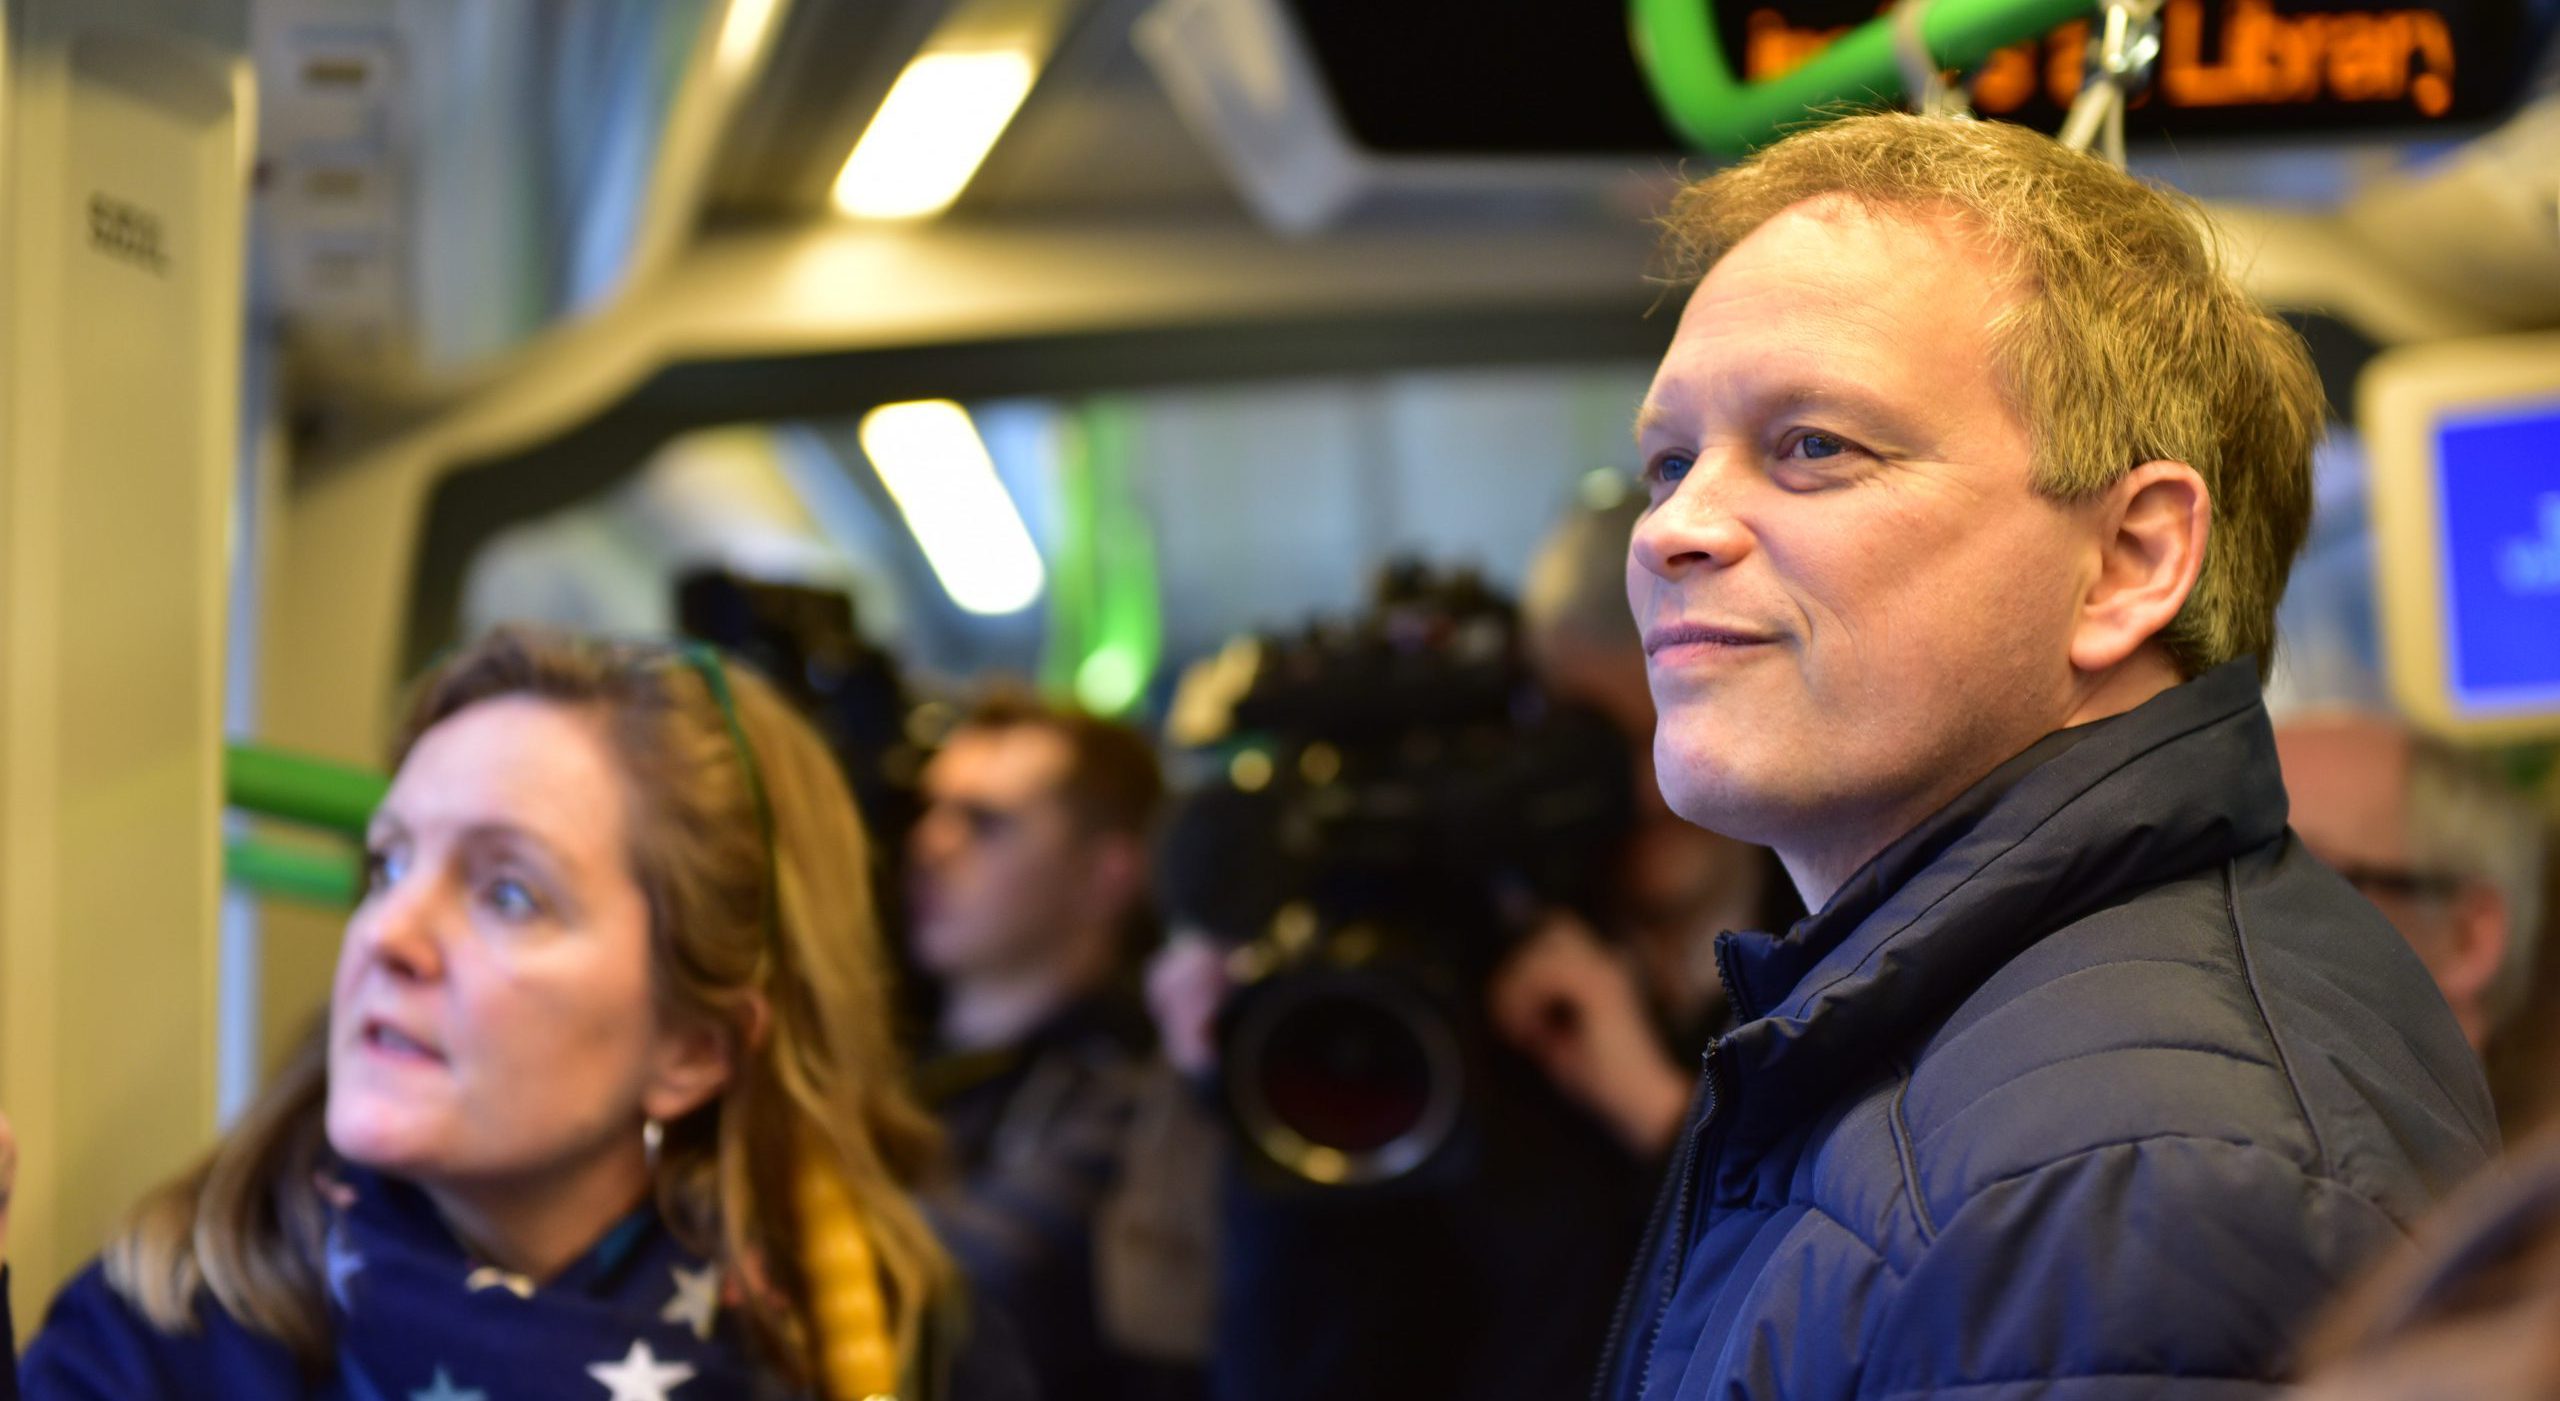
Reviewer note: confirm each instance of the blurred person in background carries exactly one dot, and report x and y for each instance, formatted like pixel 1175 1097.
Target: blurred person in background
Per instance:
pixel 2470 1311
pixel 1974 482
pixel 606 1098
pixel 1618 1023
pixel 2451 855
pixel 1028 881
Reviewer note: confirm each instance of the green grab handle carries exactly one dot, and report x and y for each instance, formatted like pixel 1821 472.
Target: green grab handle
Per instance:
pixel 315 792
pixel 285 873
pixel 1684 63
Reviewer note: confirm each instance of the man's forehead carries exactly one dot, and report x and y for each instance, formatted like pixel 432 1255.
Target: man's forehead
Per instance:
pixel 1832 293
pixel 1843 256
pixel 1009 762
pixel 1844 220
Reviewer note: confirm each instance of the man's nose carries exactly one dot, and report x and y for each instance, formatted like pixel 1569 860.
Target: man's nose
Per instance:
pixel 936 836
pixel 1693 528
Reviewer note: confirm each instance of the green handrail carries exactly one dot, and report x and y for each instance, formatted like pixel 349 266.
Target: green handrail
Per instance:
pixel 1694 84
pixel 336 798
pixel 287 873
pixel 315 792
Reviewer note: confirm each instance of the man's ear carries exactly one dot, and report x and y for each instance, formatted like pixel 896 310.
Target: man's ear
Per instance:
pixel 690 1063
pixel 2152 530
pixel 2478 933
pixel 1116 872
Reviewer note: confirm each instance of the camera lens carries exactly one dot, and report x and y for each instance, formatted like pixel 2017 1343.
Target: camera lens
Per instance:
pixel 1345 1080
pixel 1346 1073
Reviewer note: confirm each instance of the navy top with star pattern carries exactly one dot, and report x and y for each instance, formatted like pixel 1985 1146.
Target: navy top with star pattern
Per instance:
pixel 415 1318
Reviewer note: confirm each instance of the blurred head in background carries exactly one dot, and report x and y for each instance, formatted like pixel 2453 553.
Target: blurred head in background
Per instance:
pixel 2451 855
pixel 1574 619
pixel 2470 1308
pixel 1029 867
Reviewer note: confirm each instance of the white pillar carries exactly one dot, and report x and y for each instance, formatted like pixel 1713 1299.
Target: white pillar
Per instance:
pixel 124 141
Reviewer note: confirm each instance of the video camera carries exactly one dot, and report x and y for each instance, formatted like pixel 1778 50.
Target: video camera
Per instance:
pixel 1397 804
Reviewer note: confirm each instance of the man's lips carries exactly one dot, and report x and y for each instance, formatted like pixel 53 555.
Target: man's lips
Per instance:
pixel 1671 636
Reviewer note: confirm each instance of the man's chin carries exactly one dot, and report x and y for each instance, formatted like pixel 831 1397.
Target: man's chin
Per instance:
pixel 1713 794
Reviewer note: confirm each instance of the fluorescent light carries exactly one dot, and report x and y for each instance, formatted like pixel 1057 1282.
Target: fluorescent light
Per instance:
pixel 936 467
pixel 742 33
pixel 939 121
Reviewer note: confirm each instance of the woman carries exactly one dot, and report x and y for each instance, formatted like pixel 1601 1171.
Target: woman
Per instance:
pixel 606 1098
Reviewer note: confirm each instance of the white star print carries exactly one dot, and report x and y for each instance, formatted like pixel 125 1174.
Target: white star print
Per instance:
pixel 640 1376
pixel 342 1264
pixel 697 1298
pixel 445 1390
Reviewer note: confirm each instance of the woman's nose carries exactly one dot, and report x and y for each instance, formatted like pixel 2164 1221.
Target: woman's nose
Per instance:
pixel 401 929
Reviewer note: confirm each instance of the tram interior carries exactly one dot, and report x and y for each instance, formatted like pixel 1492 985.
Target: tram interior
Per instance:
pixel 339 331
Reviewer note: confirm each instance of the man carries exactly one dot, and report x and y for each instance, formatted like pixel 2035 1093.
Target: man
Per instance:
pixel 2450 855
pixel 1973 488
pixel 1027 872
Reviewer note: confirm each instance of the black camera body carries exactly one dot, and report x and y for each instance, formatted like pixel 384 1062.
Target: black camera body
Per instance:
pixel 1397 804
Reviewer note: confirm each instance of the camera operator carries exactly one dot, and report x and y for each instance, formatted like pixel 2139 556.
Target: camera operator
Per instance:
pixel 1481 1265
pixel 1028 879
pixel 1618 1028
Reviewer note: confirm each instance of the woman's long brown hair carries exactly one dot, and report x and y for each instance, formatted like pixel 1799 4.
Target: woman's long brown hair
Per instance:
pixel 779 947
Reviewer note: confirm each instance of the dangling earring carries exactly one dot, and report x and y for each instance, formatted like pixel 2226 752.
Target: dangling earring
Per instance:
pixel 652 1134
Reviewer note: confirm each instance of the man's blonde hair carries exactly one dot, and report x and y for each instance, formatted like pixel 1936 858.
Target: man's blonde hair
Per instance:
pixel 2130 343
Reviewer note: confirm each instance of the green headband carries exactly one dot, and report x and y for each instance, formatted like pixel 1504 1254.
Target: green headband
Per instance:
pixel 706 663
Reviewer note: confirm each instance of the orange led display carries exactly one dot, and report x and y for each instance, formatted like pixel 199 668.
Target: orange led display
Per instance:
pixel 2234 55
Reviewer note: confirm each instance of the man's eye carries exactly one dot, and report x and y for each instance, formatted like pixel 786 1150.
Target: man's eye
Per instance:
pixel 1816 446
pixel 1669 469
pixel 985 823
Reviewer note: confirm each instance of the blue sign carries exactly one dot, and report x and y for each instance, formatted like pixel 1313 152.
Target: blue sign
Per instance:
pixel 2498 479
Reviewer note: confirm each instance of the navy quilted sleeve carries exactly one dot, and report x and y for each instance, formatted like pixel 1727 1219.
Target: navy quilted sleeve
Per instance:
pixel 2180 1267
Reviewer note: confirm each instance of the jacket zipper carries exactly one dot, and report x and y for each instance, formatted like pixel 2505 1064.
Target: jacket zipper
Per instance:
pixel 1679 1223
pixel 1675 1207
pixel 1662 1204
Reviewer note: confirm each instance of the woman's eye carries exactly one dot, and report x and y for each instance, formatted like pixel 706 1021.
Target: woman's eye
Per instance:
pixel 511 900
pixel 1669 469
pixel 383 869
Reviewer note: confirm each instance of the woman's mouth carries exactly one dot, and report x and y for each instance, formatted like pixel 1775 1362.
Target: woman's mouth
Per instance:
pixel 390 1042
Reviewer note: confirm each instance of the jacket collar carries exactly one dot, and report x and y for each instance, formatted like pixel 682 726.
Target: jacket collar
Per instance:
pixel 2077 822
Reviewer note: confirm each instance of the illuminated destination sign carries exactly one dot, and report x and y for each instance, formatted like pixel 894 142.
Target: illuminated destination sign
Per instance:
pixel 2224 64
pixel 1505 77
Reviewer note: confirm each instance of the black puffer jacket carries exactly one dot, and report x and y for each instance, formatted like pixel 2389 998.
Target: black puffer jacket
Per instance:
pixel 2094 1086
